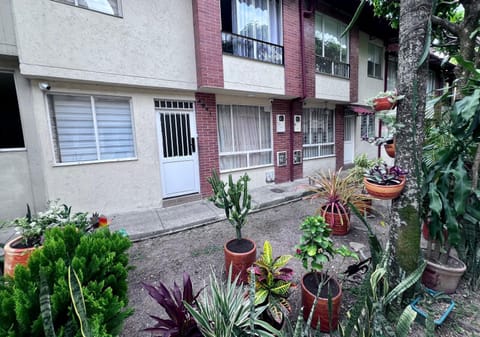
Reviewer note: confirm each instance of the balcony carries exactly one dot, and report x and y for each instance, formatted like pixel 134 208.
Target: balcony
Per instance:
pixel 243 46
pixel 328 66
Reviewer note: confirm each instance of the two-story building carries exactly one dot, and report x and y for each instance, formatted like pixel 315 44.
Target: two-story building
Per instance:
pixel 119 105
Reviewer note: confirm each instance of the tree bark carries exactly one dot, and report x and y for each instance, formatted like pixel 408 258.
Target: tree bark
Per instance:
pixel 405 217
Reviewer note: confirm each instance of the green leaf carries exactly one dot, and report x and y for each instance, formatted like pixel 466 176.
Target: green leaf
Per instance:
pixel 260 296
pixel 78 302
pixel 267 253
pixel 311 250
pixel 405 283
pixel 45 307
pixel 405 321
pixel 435 200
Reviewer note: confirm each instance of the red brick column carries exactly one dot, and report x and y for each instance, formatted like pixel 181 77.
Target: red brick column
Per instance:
pixel 208 43
pixel 206 118
pixel 309 47
pixel 286 141
pixel 339 135
pixel 291 48
pixel 354 50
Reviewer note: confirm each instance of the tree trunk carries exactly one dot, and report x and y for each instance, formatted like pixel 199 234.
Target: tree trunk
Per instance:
pixel 405 217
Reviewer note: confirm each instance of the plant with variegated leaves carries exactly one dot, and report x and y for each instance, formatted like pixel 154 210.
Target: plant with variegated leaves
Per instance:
pixel 273 283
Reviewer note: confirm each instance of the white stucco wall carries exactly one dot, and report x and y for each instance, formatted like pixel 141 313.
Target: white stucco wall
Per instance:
pixel 312 166
pixel 15 191
pixel 332 88
pixel 151 45
pixel 108 187
pixel 368 86
pixel 8 45
pixel 242 74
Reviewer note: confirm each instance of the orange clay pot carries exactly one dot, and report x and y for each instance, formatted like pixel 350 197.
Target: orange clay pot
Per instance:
pixel 14 256
pixel 338 222
pixel 241 254
pixel 385 192
pixel 382 103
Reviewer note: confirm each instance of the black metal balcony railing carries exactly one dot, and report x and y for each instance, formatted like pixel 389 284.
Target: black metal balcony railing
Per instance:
pixel 255 49
pixel 328 66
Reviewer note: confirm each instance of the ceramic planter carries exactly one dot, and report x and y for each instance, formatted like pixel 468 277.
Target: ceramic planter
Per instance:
pixel 14 256
pixel 418 307
pixel 321 312
pixel 382 103
pixel 241 254
pixel 444 278
pixel 338 222
pixel 385 192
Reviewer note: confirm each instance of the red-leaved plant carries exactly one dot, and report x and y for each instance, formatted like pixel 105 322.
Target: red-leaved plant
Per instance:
pixel 180 322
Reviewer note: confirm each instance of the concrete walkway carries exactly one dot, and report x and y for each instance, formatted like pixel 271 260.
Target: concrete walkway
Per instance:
pixel 141 225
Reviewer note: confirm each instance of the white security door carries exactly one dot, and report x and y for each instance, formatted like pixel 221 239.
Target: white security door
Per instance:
pixel 178 151
pixel 349 135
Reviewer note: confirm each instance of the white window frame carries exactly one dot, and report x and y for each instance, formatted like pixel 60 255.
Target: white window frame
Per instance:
pixel 308 142
pixel 367 126
pixel 54 143
pixel 92 6
pixel 377 55
pixel 248 152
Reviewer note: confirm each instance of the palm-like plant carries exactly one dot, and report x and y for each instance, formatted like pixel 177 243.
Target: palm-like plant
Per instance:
pixel 273 283
pixel 180 322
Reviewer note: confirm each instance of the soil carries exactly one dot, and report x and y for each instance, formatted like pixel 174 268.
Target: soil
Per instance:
pixel 199 251
pixel 240 246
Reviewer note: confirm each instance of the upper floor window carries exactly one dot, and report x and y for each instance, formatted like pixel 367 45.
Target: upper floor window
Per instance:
pixel 318 132
pixel 375 56
pixel 112 7
pixel 11 135
pixel 253 28
pixel 331 50
pixel 244 136
pixel 91 128
pixel 392 70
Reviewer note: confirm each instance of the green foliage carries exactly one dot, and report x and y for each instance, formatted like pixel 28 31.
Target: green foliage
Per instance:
pixel 223 310
pixel 273 282
pixel 316 247
pixel 101 262
pixel 233 198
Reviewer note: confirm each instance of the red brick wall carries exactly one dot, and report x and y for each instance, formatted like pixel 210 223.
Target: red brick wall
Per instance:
pixel 339 135
pixel 309 65
pixel 354 50
pixel 208 43
pixel 206 116
pixel 291 51
pixel 283 141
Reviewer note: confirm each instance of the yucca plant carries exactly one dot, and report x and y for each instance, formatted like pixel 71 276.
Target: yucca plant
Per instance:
pixel 273 283
pixel 224 310
pixel 180 323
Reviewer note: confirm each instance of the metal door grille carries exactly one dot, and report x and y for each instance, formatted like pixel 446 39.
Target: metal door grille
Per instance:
pixel 177 140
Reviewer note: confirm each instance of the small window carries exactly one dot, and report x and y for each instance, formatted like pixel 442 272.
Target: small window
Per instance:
pixel 375 55
pixel 244 136
pixel 367 128
pixel 318 133
pixel 112 7
pixel 11 135
pixel 88 128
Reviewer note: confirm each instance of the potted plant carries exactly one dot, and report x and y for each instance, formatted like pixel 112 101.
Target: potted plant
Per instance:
pixel 236 201
pixel 180 322
pixel 31 230
pixel 336 192
pixel 389 120
pixel 385 100
pixel 361 164
pixel 384 182
pixel 433 306
pixel 273 282
pixel 314 250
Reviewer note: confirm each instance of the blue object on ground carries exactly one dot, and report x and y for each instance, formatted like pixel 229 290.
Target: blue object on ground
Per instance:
pixel 422 313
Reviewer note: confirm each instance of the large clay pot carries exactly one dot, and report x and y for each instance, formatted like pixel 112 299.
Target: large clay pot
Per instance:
pixel 14 256
pixel 385 192
pixel 390 149
pixel 241 254
pixel 444 278
pixel 309 291
pixel 338 222
pixel 382 103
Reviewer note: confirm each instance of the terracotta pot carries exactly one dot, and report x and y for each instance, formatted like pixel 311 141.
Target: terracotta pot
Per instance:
pixel 444 278
pixel 14 256
pixel 382 103
pixel 385 192
pixel 390 149
pixel 338 222
pixel 241 254
pixel 321 309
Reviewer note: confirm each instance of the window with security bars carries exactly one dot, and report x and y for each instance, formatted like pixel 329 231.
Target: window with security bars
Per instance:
pixel 367 126
pixel 244 136
pixel 375 56
pixel 112 7
pixel 90 128
pixel 318 133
